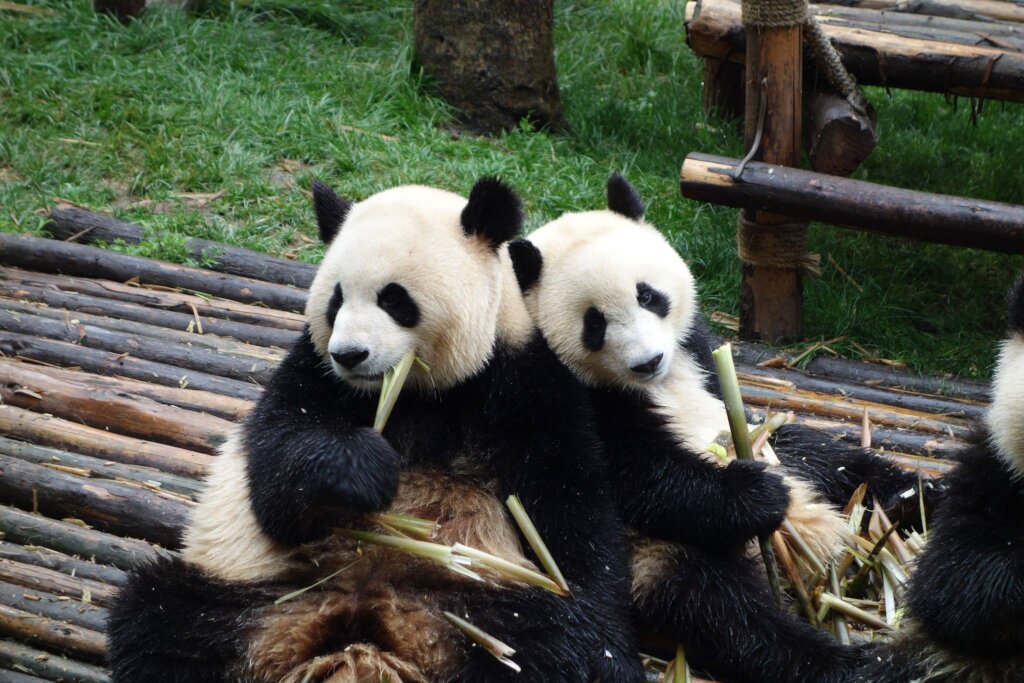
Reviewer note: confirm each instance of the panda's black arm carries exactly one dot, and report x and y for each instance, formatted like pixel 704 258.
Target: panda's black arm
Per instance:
pixel 666 491
pixel 543 449
pixel 312 456
pixel 967 590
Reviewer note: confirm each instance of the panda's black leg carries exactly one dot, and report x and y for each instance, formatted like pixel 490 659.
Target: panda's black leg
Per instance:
pixel 836 469
pixel 173 624
pixel 552 637
pixel 720 609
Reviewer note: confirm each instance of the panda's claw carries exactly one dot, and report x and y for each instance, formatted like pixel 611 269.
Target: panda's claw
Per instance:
pixel 363 477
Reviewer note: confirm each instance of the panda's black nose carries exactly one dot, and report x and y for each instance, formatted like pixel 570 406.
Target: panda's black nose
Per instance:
pixel 350 359
pixel 648 367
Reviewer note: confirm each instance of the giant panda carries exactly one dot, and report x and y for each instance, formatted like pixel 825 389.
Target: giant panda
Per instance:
pixel 618 306
pixel 491 412
pixel 964 619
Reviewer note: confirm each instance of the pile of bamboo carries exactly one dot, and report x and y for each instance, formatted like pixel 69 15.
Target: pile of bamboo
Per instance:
pixel 119 376
pixel 972 48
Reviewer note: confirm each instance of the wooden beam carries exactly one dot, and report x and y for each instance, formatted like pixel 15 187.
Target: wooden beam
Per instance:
pixel 961 9
pixel 857 204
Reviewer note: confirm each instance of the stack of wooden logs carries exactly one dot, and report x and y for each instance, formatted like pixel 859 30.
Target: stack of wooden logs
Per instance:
pixel 119 377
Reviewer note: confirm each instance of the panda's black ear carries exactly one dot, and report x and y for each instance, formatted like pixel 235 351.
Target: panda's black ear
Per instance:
pixel 1017 307
pixel 624 199
pixel 493 212
pixel 526 262
pixel 331 210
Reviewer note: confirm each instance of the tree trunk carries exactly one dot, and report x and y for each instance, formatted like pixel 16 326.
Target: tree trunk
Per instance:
pixel 492 61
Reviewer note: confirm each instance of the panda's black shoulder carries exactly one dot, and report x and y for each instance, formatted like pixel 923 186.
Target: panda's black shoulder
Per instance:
pixel 982 482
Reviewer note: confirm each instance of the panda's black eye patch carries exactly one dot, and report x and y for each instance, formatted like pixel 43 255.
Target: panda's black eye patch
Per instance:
pixel 652 300
pixel 394 300
pixel 594 326
pixel 334 305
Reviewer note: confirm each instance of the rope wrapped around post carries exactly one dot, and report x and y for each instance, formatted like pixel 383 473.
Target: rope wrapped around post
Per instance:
pixel 777 246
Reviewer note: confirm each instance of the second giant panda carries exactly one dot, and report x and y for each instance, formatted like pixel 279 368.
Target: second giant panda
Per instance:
pixel 491 413
pixel 619 307
pixel 965 603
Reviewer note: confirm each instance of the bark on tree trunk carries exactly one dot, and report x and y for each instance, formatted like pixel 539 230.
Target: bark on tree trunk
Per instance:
pixel 492 61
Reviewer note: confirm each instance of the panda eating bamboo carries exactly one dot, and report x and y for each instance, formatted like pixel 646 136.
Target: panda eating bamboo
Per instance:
pixel 618 306
pixel 490 412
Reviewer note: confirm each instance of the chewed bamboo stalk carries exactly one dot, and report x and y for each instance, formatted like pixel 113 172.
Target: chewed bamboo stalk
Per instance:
pixel 414 527
pixel 842 632
pixel 501 651
pixel 533 537
pixel 840 605
pixel 508 569
pixel 390 388
pixel 438 552
pixel 295 594
pixel 677 670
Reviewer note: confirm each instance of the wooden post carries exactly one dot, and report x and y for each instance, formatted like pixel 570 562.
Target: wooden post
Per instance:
pixel 723 88
pixel 125 10
pixel 771 298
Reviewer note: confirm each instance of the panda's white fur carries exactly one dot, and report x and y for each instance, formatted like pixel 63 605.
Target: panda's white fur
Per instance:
pixel 385 235
pixel 1005 417
pixel 596 258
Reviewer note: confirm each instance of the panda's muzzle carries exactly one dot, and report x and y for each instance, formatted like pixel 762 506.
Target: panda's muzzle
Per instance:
pixel 351 358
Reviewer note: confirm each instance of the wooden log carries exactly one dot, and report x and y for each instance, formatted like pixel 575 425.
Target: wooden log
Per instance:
pixel 48 666
pixel 68 258
pixel 66 354
pixel 122 311
pixel 791 379
pixel 889 439
pixel 51 559
pixel 839 138
pixel 226 407
pixel 868 374
pixel 978 10
pixel 56 583
pixel 771 297
pixel 87 227
pixel 50 431
pixel 723 93
pixel 222 345
pixel 132 415
pixel 856 204
pixel 26 528
pixel 879 57
pixel 165 298
pixel 17 677
pixel 256 370
pixel 48 604
pixel 54 634
pixel 112 506
pixel 101 469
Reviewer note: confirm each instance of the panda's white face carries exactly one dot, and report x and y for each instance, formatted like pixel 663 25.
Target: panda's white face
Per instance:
pixel 613 299
pixel 402 275
pixel 1005 417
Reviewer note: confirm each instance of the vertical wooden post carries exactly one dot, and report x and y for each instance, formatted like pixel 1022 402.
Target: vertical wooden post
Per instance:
pixel 124 10
pixel 771 299
pixel 723 88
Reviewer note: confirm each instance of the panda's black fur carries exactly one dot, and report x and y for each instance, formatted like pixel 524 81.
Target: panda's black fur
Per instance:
pixel 314 462
pixel 964 619
pixel 702 588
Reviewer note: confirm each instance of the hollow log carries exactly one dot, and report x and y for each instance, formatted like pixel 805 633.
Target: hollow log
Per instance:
pixel 232 409
pixel 978 10
pixel 222 345
pixel 68 258
pixel 26 528
pixel 67 354
pixel 115 507
pixel 101 469
pixel 165 298
pixel 879 58
pixel 839 138
pixel 88 227
pixel 785 379
pixel 856 204
pixel 93 336
pixel 51 559
pixel 128 414
pixel 49 666
pixel 57 583
pixel 121 311
pixel 51 633
pixel 50 431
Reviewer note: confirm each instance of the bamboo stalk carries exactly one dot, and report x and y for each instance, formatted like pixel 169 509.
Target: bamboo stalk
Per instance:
pixel 533 537
pixel 499 650
pixel 845 608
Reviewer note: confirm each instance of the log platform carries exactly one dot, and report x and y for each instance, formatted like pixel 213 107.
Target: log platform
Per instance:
pixel 119 376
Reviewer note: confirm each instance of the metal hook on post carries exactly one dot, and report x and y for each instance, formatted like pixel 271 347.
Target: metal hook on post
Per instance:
pixel 736 173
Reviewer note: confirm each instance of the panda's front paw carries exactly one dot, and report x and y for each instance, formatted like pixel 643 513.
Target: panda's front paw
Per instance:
pixel 363 477
pixel 761 495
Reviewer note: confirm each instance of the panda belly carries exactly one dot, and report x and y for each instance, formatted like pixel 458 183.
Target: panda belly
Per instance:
pixel 382 613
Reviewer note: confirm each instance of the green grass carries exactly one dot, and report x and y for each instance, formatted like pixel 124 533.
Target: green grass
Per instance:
pixel 254 101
